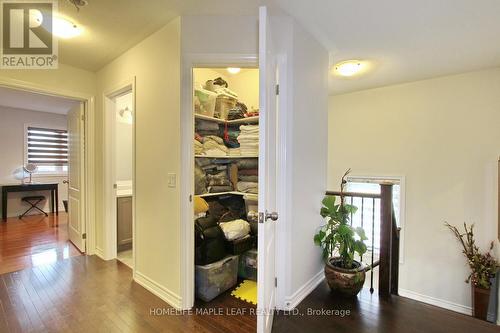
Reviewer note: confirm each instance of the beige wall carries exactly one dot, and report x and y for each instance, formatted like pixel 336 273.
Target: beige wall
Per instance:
pixel 12 140
pixel 155 63
pixel 65 78
pixel 443 136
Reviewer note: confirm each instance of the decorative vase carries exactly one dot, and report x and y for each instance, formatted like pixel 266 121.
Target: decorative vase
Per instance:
pixel 480 301
pixel 344 281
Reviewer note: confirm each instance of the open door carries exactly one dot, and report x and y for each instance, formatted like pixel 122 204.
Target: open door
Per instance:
pixel 76 220
pixel 268 216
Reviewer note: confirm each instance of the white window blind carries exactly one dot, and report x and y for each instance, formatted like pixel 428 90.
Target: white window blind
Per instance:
pixel 47 148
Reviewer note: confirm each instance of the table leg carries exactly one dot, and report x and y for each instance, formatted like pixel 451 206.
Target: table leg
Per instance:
pixel 4 205
pixel 57 200
pixel 52 201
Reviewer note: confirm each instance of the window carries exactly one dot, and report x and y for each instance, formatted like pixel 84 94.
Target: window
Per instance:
pixel 369 210
pixel 48 149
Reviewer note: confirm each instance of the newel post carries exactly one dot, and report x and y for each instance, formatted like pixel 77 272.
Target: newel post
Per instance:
pixel 384 288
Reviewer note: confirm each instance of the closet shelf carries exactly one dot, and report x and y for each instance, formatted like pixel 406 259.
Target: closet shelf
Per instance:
pixel 249 120
pixel 225 193
pixel 227 157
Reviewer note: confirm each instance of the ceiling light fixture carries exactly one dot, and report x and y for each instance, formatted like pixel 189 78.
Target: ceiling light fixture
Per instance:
pixel 348 67
pixel 65 29
pixel 233 70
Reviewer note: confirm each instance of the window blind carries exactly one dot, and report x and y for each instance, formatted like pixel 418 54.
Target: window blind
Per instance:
pixel 47 147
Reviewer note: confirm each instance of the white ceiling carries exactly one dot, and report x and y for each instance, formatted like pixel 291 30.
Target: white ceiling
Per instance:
pixel 111 27
pixel 406 40
pixel 25 100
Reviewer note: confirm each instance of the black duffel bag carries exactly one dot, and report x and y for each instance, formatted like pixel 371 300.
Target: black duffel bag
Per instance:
pixel 209 241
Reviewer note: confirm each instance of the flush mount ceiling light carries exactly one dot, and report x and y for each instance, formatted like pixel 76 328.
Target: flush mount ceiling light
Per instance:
pixel 233 70
pixel 348 67
pixel 65 29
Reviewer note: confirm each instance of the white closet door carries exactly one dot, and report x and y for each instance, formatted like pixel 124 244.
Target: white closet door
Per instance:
pixel 76 221
pixel 266 298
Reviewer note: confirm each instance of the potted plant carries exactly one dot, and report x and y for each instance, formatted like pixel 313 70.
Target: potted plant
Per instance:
pixel 483 267
pixel 340 242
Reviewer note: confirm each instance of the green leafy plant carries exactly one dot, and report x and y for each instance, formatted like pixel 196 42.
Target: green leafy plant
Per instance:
pixel 337 236
pixel 482 265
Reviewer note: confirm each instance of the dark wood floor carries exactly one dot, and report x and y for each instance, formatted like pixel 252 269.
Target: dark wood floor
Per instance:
pixel 34 240
pixel 368 314
pixel 87 294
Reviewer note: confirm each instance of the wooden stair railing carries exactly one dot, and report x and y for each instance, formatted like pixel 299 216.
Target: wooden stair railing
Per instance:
pixel 389 238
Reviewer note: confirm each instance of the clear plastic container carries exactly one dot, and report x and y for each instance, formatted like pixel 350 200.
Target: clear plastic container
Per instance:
pixel 247 268
pixel 214 279
pixel 223 104
pixel 207 100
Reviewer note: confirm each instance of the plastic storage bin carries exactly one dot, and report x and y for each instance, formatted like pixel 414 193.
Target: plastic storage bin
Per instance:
pixel 247 268
pixel 214 279
pixel 239 246
pixel 207 100
pixel 223 104
pixel 251 203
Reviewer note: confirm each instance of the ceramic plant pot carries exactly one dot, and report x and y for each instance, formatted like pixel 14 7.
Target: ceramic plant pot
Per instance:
pixel 344 281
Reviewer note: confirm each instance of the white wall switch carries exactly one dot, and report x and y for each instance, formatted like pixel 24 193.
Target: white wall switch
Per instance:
pixel 172 179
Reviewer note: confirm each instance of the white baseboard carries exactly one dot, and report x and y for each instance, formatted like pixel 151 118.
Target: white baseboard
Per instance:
pixel 298 296
pixel 436 301
pixel 99 252
pixel 168 296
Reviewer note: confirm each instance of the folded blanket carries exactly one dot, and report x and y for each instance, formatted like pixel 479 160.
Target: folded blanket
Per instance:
pixel 234 152
pixel 235 229
pixel 218 189
pixel 198 147
pixel 248 187
pixel 245 178
pixel 248 163
pixel 248 172
pixel 218 179
pixel 203 125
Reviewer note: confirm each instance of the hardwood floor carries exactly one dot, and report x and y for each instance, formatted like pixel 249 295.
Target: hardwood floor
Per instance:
pixel 34 240
pixel 87 294
pixel 370 314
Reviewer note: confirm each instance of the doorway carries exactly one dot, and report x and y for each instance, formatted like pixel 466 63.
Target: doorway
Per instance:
pixel 43 176
pixel 226 184
pixel 119 194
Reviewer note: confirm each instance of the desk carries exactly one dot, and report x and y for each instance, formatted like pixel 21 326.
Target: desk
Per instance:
pixel 52 187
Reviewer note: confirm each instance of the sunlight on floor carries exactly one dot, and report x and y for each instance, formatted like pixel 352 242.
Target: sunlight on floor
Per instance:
pixel 126 258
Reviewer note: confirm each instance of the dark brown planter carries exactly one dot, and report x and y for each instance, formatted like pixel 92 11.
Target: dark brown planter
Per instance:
pixel 344 281
pixel 480 301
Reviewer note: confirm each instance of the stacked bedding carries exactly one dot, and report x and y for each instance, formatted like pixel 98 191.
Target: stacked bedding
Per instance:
pixel 214 146
pixel 249 139
pixel 248 176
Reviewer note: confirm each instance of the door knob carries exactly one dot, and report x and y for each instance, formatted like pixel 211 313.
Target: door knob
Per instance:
pixel 65 182
pixel 273 216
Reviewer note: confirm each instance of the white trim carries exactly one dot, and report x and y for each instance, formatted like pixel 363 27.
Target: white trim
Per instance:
pixel 99 252
pixel 435 301
pixel 401 179
pixel 283 232
pixel 189 61
pixel 89 173
pixel 109 172
pixel 298 296
pixel 165 294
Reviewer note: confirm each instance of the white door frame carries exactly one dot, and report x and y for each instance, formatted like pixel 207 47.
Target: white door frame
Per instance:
pixel 89 138
pixel 189 62
pixel 109 174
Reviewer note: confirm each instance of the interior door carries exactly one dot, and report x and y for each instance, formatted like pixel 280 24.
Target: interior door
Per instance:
pixel 268 215
pixel 76 220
